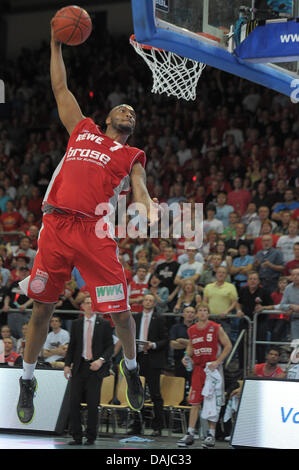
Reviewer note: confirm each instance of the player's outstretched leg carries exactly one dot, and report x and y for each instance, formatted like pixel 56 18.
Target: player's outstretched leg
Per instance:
pixel 125 329
pixel 35 339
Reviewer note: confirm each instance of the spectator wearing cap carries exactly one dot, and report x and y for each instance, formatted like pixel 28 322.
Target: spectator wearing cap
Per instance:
pixel 25 248
pixel 191 269
pixel 242 265
pixel 17 300
pixel 211 223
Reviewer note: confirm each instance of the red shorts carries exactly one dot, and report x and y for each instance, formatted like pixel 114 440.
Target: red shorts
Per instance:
pixel 66 241
pixel 197 384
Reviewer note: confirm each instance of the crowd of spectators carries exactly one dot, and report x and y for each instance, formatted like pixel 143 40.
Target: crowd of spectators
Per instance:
pixel 235 149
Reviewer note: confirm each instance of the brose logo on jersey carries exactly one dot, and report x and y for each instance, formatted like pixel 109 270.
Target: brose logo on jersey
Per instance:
pixel 110 293
pixel 91 155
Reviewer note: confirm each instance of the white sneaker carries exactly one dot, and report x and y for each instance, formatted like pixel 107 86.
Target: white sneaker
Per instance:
pixel 208 442
pixel 187 440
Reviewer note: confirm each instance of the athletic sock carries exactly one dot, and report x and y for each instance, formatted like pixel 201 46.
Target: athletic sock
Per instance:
pixel 212 432
pixel 28 370
pixel 130 363
pixel 191 431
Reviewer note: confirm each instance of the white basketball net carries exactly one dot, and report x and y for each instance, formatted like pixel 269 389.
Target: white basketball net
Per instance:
pixel 172 74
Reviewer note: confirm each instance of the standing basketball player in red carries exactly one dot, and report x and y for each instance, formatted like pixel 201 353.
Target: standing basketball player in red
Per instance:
pixel 96 168
pixel 206 339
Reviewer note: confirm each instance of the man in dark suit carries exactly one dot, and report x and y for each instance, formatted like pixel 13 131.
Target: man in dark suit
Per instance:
pixel 151 357
pixel 87 362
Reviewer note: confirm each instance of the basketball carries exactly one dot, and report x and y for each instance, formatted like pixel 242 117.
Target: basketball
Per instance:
pixel 71 25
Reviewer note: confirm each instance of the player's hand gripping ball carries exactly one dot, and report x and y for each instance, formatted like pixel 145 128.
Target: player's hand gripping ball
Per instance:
pixel 71 25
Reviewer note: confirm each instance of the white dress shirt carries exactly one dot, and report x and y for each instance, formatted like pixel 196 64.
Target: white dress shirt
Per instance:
pixel 85 327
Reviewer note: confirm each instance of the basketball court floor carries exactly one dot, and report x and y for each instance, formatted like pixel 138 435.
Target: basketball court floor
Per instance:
pixel 104 442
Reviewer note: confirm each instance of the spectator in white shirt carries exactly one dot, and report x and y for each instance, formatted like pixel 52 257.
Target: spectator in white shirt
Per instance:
pixel 286 242
pixel 55 345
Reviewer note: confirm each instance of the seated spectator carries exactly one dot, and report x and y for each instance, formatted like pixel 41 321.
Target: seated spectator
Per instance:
pixel 17 300
pixel 33 232
pixel 239 198
pixel 286 242
pixel 54 348
pixel 30 220
pixel 21 206
pixel 232 245
pixel 189 296
pixel 266 229
pixel 241 265
pixel 211 222
pixel 6 333
pixel 283 223
pixel 270 368
pixel 35 203
pixel 183 258
pixel 268 262
pixel 226 259
pixel 5 273
pixel 223 209
pixel 21 341
pixel 160 293
pixel 230 231
pixel 137 288
pixel 209 274
pixel 294 263
pixel 289 203
pixel 190 270
pixel 167 272
pixel 221 297
pixel 209 244
pixel 19 262
pixel 11 221
pixel 24 247
pixel 3 199
pixel 262 197
pixel 278 323
pixel 10 356
pixel 250 214
pixel 25 188
pixel 254 228
pixel 290 303
pixel 67 301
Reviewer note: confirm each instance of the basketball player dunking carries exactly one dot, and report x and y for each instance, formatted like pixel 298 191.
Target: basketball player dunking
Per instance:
pixel 96 168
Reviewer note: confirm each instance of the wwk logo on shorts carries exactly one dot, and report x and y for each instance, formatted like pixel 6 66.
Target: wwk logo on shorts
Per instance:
pixel 110 293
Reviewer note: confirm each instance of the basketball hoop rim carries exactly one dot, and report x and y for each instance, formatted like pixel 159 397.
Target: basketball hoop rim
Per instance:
pixel 144 46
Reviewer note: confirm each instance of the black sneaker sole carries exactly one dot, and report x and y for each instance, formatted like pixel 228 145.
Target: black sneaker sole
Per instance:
pixel 124 375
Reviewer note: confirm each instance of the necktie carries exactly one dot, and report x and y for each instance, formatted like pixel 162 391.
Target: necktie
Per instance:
pixel 88 341
pixel 145 326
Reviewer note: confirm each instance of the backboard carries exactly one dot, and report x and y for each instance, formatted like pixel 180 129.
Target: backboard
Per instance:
pixel 203 30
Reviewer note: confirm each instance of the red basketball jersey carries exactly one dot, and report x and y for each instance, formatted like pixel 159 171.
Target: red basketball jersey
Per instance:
pixel 94 170
pixel 204 342
pixel 259 370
